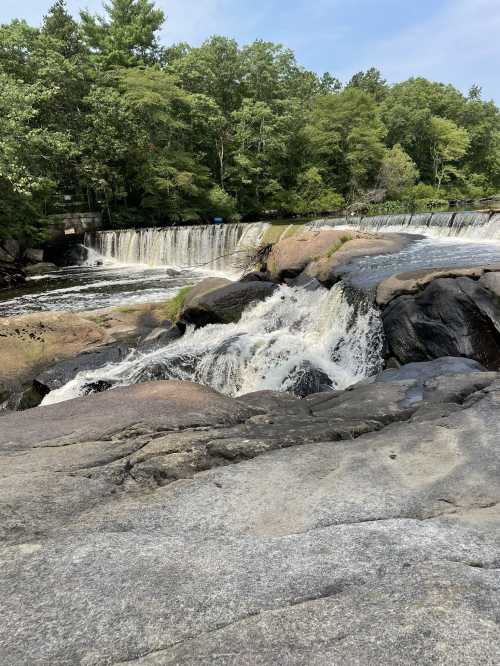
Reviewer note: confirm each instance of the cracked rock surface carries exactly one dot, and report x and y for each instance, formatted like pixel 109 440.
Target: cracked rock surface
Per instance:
pixel 164 524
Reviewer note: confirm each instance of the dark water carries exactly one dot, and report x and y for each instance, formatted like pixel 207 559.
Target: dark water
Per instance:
pixel 92 287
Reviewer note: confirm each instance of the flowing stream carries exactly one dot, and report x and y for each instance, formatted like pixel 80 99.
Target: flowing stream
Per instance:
pixel 297 340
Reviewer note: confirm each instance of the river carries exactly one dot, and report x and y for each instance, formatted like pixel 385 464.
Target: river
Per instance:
pixel 296 340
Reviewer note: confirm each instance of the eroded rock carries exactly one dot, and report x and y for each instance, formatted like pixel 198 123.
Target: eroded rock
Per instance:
pixel 225 304
pixel 180 526
pixel 41 268
pixel 450 317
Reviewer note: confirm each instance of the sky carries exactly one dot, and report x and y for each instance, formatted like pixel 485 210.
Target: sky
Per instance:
pixel 454 41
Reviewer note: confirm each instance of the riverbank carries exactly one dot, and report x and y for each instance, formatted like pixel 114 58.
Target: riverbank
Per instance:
pixel 364 523
pixel 32 344
pixel 330 496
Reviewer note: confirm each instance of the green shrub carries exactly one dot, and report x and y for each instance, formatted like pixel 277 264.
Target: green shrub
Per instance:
pixel 173 307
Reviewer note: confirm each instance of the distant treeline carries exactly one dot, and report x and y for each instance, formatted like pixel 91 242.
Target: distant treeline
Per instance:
pixel 96 114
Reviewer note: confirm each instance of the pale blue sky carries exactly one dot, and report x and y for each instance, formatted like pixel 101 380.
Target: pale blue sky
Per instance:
pixel 456 41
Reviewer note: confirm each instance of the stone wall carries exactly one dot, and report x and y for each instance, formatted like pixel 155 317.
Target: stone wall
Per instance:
pixel 69 224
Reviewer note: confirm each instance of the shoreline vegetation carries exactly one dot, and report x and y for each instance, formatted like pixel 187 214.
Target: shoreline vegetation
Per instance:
pixel 98 115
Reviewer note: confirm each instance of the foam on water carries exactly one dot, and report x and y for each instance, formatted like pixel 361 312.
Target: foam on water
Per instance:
pixel 466 225
pixel 283 343
pixel 213 247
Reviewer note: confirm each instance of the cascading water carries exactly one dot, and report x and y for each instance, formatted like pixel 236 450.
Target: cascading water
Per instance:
pixel 467 225
pixel 213 247
pixel 296 340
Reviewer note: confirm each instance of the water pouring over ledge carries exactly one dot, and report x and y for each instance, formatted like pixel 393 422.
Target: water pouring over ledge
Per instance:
pixel 208 247
pixel 296 340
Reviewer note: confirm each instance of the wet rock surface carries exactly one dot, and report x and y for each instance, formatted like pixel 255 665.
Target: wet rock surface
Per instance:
pixel 62 372
pixel 44 350
pixel 166 524
pixel 224 304
pixel 450 317
pixel 11 275
pixel 40 268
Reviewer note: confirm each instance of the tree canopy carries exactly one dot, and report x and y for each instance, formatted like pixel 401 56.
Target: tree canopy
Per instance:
pixel 97 109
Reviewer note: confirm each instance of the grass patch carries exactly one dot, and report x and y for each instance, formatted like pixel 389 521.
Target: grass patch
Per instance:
pixel 277 232
pixel 337 245
pixel 101 321
pixel 171 309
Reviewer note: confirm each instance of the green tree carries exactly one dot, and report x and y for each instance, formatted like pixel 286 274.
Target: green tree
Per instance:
pixel 398 172
pixel 346 138
pixel 30 157
pixel 127 36
pixel 370 82
pixel 60 27
pixel 313 195
pixel 449 143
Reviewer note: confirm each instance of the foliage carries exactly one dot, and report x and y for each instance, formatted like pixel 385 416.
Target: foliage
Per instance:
pixel 126 36
pixel 398 172
pixel 97 109
pixel 172 308
pixel 449 143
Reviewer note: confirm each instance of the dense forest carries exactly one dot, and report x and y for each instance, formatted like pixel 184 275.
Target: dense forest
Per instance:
pixel 97 114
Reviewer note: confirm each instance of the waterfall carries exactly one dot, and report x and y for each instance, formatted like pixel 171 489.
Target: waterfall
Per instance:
pixel 296 340
pixel 214 247
pixel 221 247
pixel 467 225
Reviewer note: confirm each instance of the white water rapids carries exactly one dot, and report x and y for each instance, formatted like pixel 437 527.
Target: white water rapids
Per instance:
pixel 465 225
pixel 212 247
pixel 295 340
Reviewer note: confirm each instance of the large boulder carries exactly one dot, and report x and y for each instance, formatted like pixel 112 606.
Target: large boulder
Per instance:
pixel 223 304
pixel 5 257
pixel 33 255
pixel 450 317
pixel 204 287
pixel 166 524
pixel 67 251
pixel 426 370
pixel 415 281
pixel 323 253
pixel 328 269
pixel 9 250
pixel 290 256
pixel 32 344
pixel 64 371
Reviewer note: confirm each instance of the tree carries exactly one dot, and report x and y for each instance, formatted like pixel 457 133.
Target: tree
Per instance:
pixel 127 35
pixel 313 195
pixel 346 139
pixel 213 72
pixel 449 144
pixel 30 157
pixel 398 172
pixel 60 27
pixel 370 82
